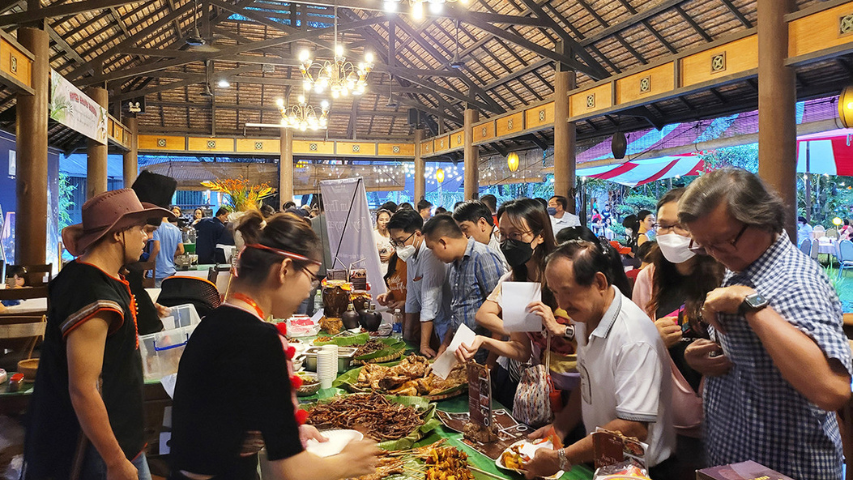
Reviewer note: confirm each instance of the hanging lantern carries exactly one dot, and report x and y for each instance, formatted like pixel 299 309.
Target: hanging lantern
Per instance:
pixel 845 107
pixel 439 175
pixel 619 145
pixel 512 161
pixel 837 222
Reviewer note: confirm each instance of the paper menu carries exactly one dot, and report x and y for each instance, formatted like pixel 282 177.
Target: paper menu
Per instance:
pixel 515 297
pixel 445 362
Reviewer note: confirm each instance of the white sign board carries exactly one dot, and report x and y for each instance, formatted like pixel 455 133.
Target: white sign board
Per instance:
pixel 351 230
pixel 74 109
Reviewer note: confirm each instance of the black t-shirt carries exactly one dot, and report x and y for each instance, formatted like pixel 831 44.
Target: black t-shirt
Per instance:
pixel 76 295
pixel 232 380
pixel 670 302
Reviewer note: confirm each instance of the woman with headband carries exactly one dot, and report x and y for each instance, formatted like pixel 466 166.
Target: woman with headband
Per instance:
pixel 236 389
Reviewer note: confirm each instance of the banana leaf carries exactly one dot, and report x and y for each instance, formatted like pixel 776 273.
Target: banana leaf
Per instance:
pixel 428 415
pixel 357 339
pixel 349 380
pixel 394 346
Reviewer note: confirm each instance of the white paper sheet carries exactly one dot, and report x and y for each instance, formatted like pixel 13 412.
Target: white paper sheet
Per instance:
pixel 445 362
pixel 168 383
pixel 515 297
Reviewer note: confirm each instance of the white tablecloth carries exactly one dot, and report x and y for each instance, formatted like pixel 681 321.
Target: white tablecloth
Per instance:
pixel 826 246
pixel 39 305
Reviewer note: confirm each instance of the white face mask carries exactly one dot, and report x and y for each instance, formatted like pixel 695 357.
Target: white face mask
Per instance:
pixel 405 253
pixel 674 247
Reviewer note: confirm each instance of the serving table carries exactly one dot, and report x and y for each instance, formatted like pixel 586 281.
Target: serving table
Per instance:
pixel 156 400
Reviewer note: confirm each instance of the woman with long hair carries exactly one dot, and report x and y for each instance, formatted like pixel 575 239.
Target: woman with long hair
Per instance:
pixel 672 291
pixel 526 240
pixel 383 239
pixel 218 429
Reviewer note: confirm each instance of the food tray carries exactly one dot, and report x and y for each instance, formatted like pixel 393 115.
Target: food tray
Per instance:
pixel 345 355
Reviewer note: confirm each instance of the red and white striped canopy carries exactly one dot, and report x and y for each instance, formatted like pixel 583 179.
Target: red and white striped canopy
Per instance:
pixel 826 152
pixel 639 172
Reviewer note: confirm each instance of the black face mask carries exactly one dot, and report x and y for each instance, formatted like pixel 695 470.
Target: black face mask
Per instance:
pixel 516 252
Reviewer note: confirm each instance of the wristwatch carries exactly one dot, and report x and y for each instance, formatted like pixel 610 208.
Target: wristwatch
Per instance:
pixel 569 334
pixel 753 302
pixel 565 465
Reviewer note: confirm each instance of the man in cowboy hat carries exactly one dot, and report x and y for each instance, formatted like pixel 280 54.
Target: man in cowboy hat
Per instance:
pixel 86 416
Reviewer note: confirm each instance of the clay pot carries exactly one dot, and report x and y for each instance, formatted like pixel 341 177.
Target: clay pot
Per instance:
pixel 370 320
pixel 350 318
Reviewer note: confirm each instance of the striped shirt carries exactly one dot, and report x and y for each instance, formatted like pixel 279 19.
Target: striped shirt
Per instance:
pixel 472 279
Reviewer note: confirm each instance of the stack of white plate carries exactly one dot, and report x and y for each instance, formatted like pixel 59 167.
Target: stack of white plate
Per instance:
pixel 327 365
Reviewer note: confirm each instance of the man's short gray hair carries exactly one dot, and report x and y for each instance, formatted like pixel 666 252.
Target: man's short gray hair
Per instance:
pixel 748 198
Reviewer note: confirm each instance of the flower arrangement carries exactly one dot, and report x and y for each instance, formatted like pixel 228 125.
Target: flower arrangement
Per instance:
pixel 242 195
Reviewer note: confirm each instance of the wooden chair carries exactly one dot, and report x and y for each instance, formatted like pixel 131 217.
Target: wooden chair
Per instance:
pixel 19 334
pixel 220 275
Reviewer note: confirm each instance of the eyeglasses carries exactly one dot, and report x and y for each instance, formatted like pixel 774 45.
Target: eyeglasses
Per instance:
pixel 515 236
pixel 676 227
pixel 315 281
pixel 698 249
pixel 395 243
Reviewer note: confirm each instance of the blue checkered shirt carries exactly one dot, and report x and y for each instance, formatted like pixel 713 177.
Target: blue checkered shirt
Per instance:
pixel 752 413
pixel 472 279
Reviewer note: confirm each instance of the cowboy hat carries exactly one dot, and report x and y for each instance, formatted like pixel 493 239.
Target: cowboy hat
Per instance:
pixel 106 213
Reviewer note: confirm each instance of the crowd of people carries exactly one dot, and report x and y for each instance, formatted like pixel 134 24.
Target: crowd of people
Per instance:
pixel 724 345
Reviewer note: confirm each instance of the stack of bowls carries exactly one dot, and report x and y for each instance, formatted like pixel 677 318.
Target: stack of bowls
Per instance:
pixel 327 365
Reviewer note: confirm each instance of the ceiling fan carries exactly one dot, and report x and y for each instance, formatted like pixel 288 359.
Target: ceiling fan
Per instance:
pixel 457 62
pixel 206 91
pixel 195 41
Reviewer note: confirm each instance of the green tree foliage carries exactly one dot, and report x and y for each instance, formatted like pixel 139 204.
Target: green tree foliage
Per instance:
pixel 65 202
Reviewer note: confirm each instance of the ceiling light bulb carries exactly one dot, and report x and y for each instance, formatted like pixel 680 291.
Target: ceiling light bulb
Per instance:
pixel 324 105
pixel 301 99
pixel 224 83
pixel 306 85
pixel 390 6
pixel 279 101
pixel 368 57
pixel 435 8
pixel 418 11
pixel 335 94
pixel 339 50
pixel 304 56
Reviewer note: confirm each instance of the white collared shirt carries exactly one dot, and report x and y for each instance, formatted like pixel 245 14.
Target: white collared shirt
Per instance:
pixel 625 374
pixel 567 220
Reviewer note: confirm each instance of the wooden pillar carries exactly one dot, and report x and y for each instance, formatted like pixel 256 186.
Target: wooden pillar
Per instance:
pixel 420 167
pixel 96 165
pixel 130 164
pixel 471 156
pixel 777 96
pixel 31 154
pixel 285 168
pixel 564 137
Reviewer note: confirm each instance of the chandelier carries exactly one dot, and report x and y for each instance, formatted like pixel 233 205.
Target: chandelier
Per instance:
pixel 417 6
pixel 304 116
pixel 339 76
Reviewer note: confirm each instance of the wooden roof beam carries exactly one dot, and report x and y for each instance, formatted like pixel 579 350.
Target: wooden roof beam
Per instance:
pixel 635 19
pixel 737 13
pixel 701 31
pixel 60 10
pixel 225 51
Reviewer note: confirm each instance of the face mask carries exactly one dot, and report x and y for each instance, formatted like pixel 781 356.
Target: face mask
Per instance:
pixel 552 211
pixel 674 247
pixel 405 253
pixel 516 252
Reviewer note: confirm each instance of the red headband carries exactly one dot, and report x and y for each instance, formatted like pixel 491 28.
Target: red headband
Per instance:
pixel 284 253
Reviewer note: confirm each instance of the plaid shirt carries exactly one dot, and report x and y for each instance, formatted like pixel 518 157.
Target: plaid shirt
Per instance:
pixel 752 413
pixel 472 279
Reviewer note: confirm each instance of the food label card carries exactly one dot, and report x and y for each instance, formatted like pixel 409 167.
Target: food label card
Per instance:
pixel 611 448
pixel 479 395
